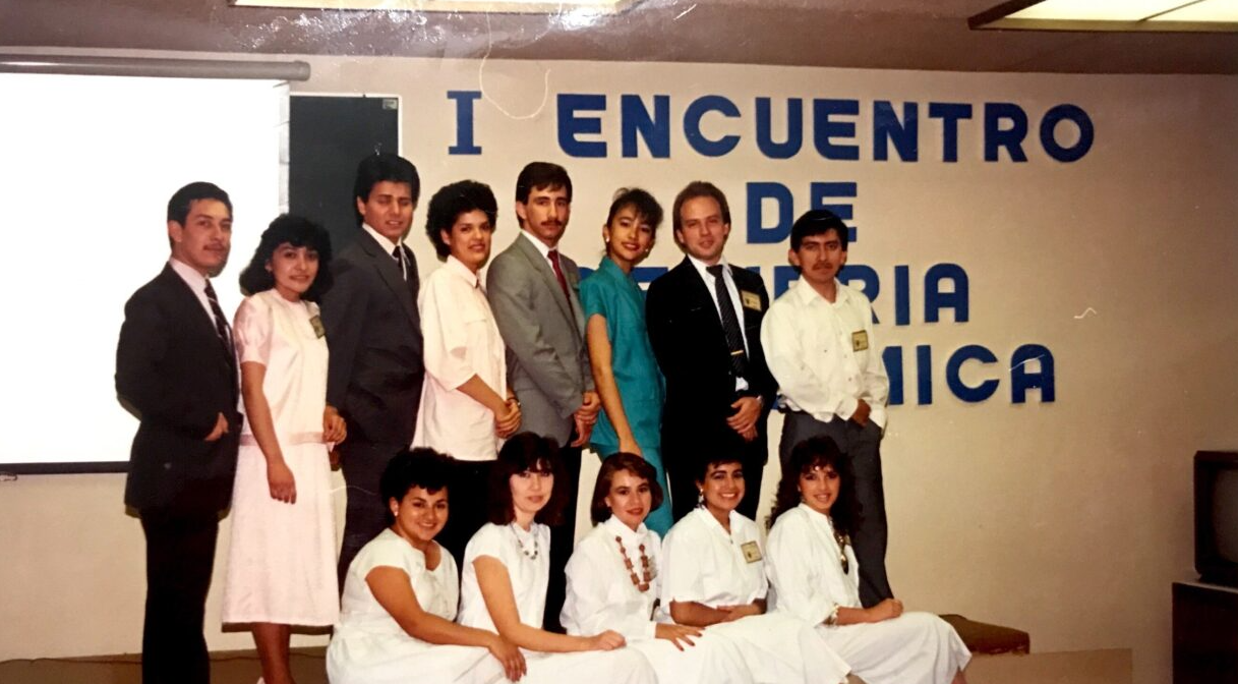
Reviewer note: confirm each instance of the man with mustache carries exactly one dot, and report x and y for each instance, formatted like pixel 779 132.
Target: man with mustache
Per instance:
pixel 534 293
pixel 704 318
pixel 176 372
pixel 819 335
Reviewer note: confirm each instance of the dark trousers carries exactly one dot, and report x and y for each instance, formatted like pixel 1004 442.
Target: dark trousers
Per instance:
pixel 467 505
pixel 180 553
pixel 683 463
pixel 563 538
pixel 366 513
pixel 862 447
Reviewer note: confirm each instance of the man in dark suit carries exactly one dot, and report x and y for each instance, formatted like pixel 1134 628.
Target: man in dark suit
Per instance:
pixel 374 333
pixel 704 321
pixel 176 372
pixel 533 290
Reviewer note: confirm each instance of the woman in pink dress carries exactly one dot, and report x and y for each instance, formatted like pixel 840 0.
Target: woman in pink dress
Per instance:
pixel 281 569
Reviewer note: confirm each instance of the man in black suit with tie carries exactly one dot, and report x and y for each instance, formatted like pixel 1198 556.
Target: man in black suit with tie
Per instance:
pixel 704 321
pixel 176 372
pixel 374 333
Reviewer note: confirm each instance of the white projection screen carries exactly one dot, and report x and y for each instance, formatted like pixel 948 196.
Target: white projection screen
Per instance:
pixel 87 164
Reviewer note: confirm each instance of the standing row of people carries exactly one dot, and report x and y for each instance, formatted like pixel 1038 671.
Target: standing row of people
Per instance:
pixel 457 368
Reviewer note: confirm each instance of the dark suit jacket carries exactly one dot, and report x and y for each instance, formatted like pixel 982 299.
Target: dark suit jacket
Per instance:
pixel 176 376
pixel 687 337
pixel 374 334
pixel 547 362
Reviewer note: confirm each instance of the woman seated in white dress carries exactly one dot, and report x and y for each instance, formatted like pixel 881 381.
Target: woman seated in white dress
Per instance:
pixel 613 579
pixel 400 595
pixel 507 568
pixel 815 577
pixel 713 575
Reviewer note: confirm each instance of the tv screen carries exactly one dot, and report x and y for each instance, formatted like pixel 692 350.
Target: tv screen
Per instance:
pixel 1216 516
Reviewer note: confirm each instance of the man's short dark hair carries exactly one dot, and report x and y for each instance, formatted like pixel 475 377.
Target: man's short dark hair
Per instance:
pixel 817 222
pixel 452 200
pixel 539 175
pixel 178 206
pixel 645 205
pixel 298 232
pixel 384 166
pixel 694 190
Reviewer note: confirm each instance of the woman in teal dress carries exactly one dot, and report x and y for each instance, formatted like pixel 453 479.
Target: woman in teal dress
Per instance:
pixel 624 369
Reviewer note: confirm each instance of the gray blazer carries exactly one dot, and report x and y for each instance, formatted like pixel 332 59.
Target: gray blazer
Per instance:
pixel 547 363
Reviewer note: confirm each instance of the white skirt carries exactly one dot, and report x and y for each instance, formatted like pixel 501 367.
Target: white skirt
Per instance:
pixel 782 649
pixel 713 659
pixel 281 565
pixel 913 648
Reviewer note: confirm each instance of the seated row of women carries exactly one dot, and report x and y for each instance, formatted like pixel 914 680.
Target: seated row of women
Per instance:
pixel 710 604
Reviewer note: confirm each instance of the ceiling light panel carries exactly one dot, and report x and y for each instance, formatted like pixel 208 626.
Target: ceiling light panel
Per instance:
pixel 1096 10
pixel 1206 11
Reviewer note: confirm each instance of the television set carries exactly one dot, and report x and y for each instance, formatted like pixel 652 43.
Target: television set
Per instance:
pixel 1216 517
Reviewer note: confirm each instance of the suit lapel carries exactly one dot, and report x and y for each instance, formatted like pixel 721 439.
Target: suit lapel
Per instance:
pixel 390 273
pixel 200 318
pixel 542 267
pixel 697 294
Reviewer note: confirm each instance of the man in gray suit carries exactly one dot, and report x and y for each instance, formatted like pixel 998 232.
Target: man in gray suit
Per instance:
pixel 533 291
pixel 374 333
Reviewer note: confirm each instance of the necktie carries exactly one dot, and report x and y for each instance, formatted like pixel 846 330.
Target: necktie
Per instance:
pixel 554 263
pixel 221 323
pixel 399 259
pixel 730 322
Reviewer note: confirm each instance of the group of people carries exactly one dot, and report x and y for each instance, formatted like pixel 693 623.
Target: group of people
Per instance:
pixel 496 387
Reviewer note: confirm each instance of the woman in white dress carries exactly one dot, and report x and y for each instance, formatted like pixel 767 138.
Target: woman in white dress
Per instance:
pixel 613 579
pixel 466 406
pixel 279 571
pixel 816 577
pixel 507 568
pixel 713 568
pixel 401 591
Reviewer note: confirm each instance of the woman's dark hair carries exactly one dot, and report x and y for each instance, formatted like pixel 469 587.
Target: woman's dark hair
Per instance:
pixel 298 232
pixel 420 467
pixel 616 462
pixel 452 200
pixel 818 452
pixel 527 452
pixel 711 458
pixel 645 205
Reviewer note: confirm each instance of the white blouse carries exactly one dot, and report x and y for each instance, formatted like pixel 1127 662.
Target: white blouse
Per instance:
pixel 701 562
pixel 461 339
pixel 525 555
pixel 600 592
pixel 282 337
pixel 805 569
pixel 362 615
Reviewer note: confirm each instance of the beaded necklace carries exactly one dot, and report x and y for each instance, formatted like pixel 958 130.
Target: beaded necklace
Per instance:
pixel 520 541
pixel 647 571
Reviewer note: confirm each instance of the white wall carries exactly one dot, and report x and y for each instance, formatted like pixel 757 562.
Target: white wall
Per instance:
pixel 1067 519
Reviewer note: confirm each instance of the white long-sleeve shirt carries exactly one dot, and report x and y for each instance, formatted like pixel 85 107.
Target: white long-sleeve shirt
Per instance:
pixel 823 354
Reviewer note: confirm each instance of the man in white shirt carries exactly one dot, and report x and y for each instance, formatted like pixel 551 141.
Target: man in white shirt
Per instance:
pixel 818 338
pixel 374 335
pixel 534 293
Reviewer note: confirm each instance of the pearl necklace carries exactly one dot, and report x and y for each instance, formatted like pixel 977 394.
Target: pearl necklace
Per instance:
pixel 520 542
pixel 647 571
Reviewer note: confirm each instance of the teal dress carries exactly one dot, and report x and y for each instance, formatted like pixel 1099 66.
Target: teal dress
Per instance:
pixel 614 295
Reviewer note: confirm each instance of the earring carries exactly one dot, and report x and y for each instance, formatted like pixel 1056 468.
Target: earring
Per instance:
pixel 700 498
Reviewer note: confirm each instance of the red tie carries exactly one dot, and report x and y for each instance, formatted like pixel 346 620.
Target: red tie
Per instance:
pixel 554 263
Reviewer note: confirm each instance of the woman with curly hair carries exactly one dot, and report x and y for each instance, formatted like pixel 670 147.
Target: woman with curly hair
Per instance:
pixel 816 578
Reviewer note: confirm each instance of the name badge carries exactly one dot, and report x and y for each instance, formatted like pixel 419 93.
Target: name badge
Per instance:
pixel 751 300
pixel 859 340
pixel 752 552
pixel 316 324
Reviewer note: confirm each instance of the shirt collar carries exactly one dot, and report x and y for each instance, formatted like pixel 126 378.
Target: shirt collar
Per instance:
pixel 705 274
pixel 608 265
pixel 387 245
pixel 541 246
pixel 457 268
pixel 189 274
pixel 809 295
pixel 629 535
